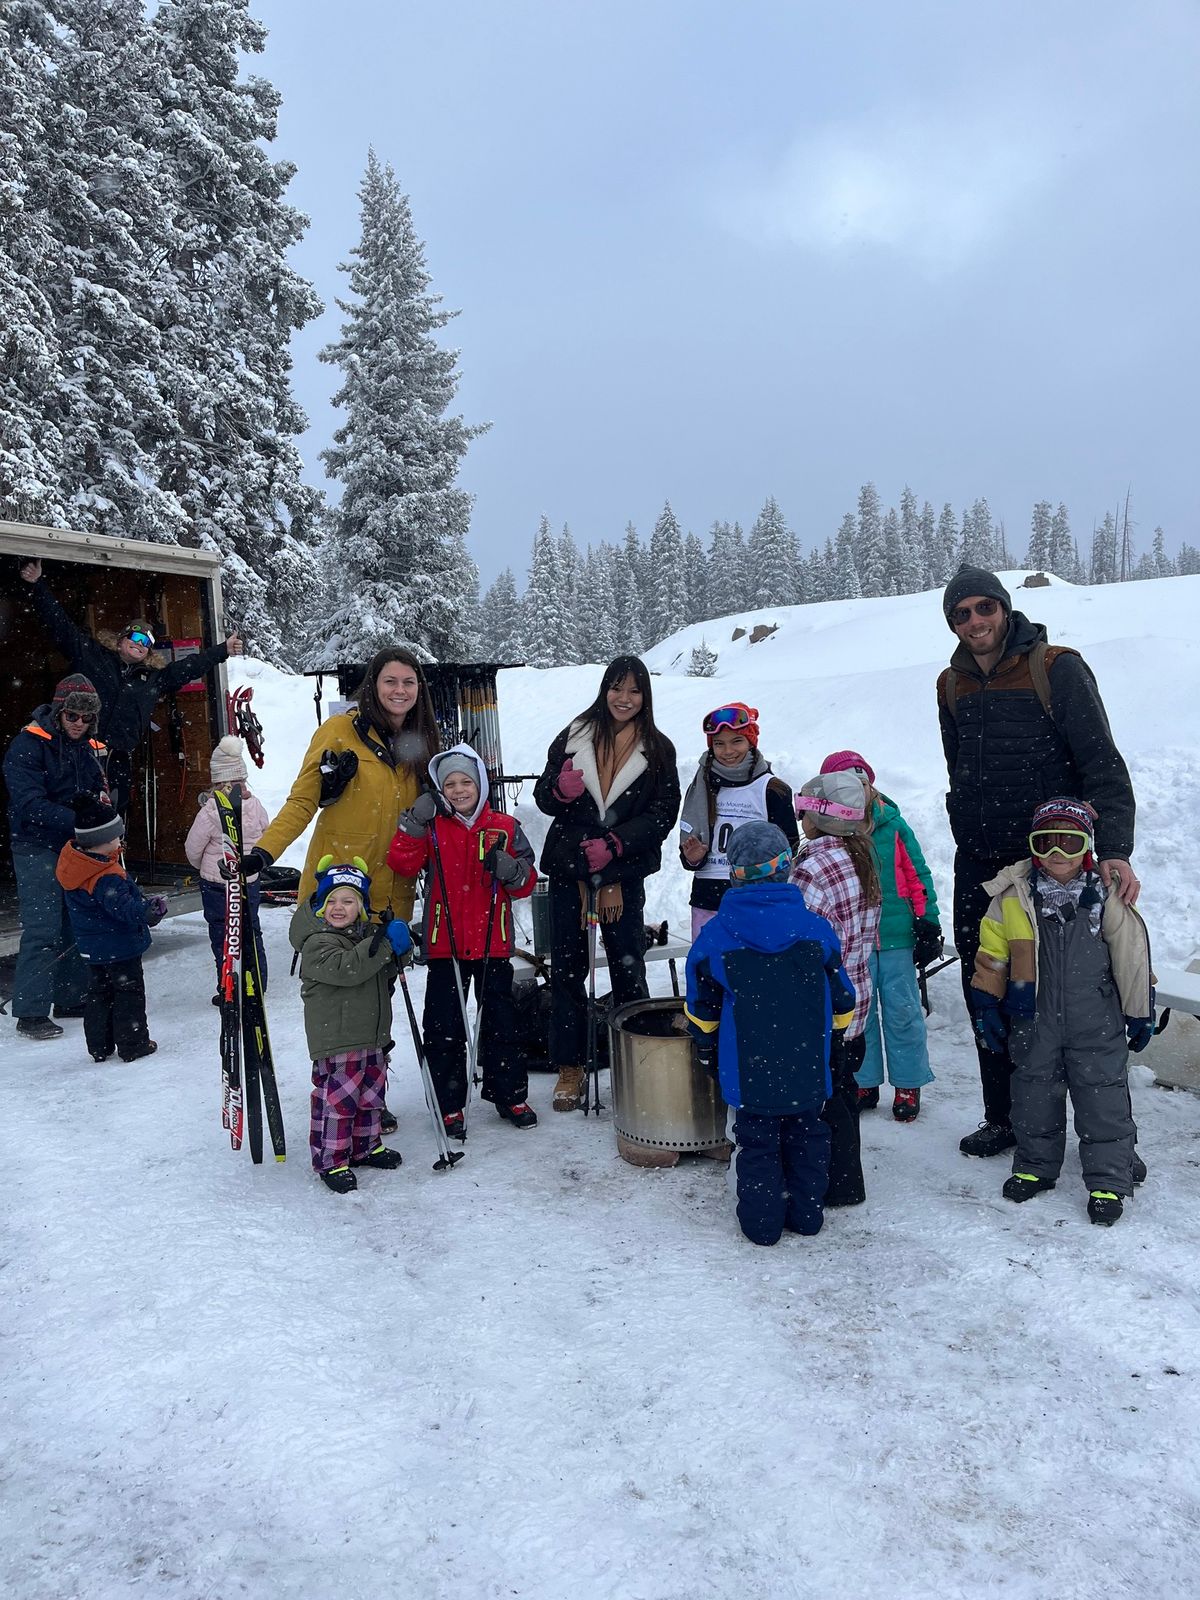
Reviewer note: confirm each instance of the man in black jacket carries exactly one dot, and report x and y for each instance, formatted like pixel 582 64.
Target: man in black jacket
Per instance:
pixel 1021 721
pixel 129 675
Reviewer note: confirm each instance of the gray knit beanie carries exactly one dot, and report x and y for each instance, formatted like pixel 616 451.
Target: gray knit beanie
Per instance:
pixel 454 762
pixel 754 853
pixel 974 580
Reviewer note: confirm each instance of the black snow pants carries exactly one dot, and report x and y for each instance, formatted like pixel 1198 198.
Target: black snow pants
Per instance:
pixel 504 1080
pixel 114 1009
pixel 971 901
pixel 846 1184
pixel 625 947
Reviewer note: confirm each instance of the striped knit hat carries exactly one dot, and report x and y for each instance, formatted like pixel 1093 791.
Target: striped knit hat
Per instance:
pixel 96 822
pixel 1066 812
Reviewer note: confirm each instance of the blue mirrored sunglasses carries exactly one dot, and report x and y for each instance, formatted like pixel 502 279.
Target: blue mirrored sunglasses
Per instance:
pixel 138 637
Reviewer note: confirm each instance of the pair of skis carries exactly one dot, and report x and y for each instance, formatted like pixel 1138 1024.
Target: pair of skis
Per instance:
pixel 247 1066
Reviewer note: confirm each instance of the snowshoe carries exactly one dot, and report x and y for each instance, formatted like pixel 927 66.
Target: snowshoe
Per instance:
pixel 868 1099
pixel 38 1028
pixel 906 1105
pixel 387 1121
pixel 1104 1208
pixel 1139 1169
pixel 383 1158
pixel 340 1179
pixel 1024 1185
pixel 989 1139
pixel 147 1049
pixel 522 1116
pixel 456 1127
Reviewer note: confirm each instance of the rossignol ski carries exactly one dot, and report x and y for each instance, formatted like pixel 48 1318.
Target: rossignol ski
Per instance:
pixel 230 987
pixel 257 1063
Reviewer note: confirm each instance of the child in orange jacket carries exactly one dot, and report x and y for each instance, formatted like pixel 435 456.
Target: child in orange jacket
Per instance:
pixel 479 861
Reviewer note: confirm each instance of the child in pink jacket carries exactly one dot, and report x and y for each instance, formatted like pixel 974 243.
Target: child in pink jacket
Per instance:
pixel 227 769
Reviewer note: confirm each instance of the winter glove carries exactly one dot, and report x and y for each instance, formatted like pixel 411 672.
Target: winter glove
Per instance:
pixel 252 863
pixel 1139 1031
pixel 706 1056
pixel 568 785
pixel 928 943
pixel 337 768
pixel 1020 1002
pixel 506 869
pixel 399 938
pixel 156 910
pixel 415 821
pixel 991 1025
pixel 599 852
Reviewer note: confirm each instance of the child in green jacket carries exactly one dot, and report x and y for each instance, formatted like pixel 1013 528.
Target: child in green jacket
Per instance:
pixel 347 968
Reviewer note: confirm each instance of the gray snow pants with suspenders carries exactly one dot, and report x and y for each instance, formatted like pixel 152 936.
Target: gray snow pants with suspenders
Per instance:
pixel 1078 1043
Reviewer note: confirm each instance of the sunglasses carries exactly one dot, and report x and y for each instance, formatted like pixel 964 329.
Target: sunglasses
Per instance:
pixel 729 717
pixel 1048 842
pixel 982 608
pixel 138 637
pixel 77 716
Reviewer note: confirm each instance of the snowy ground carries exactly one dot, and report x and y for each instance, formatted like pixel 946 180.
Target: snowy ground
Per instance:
pixel 550 1374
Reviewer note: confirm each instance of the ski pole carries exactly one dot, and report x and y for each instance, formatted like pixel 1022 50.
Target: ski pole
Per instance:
pixel 458 981
pixel 481 989
pixel 591 1080
pixel 446 1157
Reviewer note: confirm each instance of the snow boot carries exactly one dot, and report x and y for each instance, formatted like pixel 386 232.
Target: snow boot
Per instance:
pixel 989 1139
pixel 1104 1208
pixel 568 1091
pixel 868 1099
pixel 906 1105
pixel 383 1158
pixel 340 1179
pixel 1024 1185
pixel 522 1116
pixel 456 1126
pixel 101 1055
pixel 216 999
pixel 147 1049
pixel 387 1121
pixel 1139 1168
pixel 38 1028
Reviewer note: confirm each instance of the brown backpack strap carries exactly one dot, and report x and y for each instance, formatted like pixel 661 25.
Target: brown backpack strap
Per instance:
pixel 950 690
pixel 1041 658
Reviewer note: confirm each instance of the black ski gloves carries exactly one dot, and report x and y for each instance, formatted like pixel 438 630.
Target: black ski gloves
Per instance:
pixel 506 869
pixel 928 942
pixel 337 769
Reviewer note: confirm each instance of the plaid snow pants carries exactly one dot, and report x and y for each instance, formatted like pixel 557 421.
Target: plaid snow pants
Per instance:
pixel 347 1099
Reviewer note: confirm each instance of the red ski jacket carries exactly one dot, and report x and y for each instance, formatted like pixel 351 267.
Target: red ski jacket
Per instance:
pixel 468 887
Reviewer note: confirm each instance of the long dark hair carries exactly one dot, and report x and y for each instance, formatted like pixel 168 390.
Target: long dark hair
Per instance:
pixel 604 728
pixel 863 857
pixel 420 724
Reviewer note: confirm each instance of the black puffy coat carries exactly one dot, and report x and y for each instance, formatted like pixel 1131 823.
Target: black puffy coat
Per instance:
pixel 643 806
pixel 44 770
pixel 128 694
pixel 1005 754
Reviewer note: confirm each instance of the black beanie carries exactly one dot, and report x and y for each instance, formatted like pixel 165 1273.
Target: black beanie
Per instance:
pixel 974 580
pixel 96 822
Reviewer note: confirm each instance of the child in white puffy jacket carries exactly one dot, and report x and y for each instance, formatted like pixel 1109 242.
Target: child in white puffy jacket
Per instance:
pixel 227 769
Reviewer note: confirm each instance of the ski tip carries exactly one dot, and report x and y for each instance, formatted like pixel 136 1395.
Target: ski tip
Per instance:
pixel 278 1159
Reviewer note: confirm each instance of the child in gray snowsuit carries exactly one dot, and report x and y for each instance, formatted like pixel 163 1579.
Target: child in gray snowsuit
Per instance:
pixel 1063 976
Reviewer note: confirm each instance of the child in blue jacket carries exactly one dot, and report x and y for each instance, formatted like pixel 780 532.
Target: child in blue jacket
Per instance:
pixel 765 990
pixel 111 919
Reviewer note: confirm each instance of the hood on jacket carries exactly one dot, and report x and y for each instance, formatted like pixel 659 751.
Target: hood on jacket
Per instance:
pixel 1019 641
pixel 1012 877
pixel 154 660
pixel 481 779
pixel 766 916
pixel 77 869
pixel 305 922
pixel 43 721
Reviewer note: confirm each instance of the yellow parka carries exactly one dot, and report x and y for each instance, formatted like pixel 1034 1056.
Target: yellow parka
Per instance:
pixel 361 822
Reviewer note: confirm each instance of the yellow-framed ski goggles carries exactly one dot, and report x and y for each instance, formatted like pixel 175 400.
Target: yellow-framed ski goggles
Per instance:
pixel 1070 843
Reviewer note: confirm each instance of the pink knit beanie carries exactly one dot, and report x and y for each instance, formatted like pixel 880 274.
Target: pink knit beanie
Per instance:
pixel 849 761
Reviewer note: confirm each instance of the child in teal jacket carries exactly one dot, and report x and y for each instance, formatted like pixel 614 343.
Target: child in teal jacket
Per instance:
pixel 909 918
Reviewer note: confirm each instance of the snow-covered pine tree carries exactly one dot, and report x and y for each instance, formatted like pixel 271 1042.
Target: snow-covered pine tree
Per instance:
pixel 1188 561
pixel 977 543
pixel 727 580
pixel 227 303
pixel 847 583
pixel 870 556
pixel 771 564
pixel 665 579
pixel 31 445
pixel 597 606
pixel 400 527
pixel 910 560
pixel 703 662
pixel 1038 554
pixel 944 556
pixel 927 535
pixel 499 620
pixel 542 622
pixel 1164 567
pixel 695 579
pixel 628 577
pixel 1104 551
pixel 1062 558
pixel 573 647
pixel 892 559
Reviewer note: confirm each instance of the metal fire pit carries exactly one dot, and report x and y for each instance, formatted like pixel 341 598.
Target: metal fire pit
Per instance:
pixel 663 1103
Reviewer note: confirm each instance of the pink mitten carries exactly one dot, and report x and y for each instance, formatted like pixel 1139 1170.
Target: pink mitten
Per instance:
pixel 570 783
pixel 597 853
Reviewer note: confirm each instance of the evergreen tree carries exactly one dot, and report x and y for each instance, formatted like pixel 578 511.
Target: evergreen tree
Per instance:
pixel 542 621
pixel 944 555
pixel 1040 536
pixel 499 620
pixel 665 580
pixel 703 662
pixel 627 581
pixel 892 562
pixel 574 647
pixel 1104 551
pixel 695 579
pixel 400 528
pixel 598 608
pixel 909 571
pixel 1188 561
pixel 926 541
pixel 727 585
pixel 977 544
pixel 848 585
pixel 870 557
pixel 772 558
pixel 1062 558
pixel 1164 567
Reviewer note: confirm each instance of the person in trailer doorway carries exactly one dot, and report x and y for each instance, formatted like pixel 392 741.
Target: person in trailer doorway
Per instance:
pixel 1021 720
pixel 55 756
pixel 1062 981
pixel 765 991
pixel 478 862
pixel 733 784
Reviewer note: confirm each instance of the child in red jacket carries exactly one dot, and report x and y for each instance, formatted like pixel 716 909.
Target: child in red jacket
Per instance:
pixel 479 861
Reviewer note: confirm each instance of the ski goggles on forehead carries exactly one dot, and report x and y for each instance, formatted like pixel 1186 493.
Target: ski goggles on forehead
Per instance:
pixel 138 636
pixel 981 608
pixel 1070 843
pixel 729 717
pixel 761 869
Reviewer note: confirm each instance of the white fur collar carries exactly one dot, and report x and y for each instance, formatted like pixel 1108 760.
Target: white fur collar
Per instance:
pixel 581 747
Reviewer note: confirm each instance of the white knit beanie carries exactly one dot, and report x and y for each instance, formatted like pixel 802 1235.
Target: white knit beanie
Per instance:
pixel 226 764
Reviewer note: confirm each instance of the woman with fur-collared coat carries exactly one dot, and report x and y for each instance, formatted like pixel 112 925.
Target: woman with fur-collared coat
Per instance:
pixel 612 787
pixel 391 735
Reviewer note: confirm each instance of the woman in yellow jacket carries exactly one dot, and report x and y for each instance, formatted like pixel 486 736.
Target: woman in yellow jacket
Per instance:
pixel 392 735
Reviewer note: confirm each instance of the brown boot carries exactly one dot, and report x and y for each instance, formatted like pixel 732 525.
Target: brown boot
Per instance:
pixel 568 1091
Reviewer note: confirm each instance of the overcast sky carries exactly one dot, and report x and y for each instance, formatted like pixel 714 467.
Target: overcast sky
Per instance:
pixel 711 250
